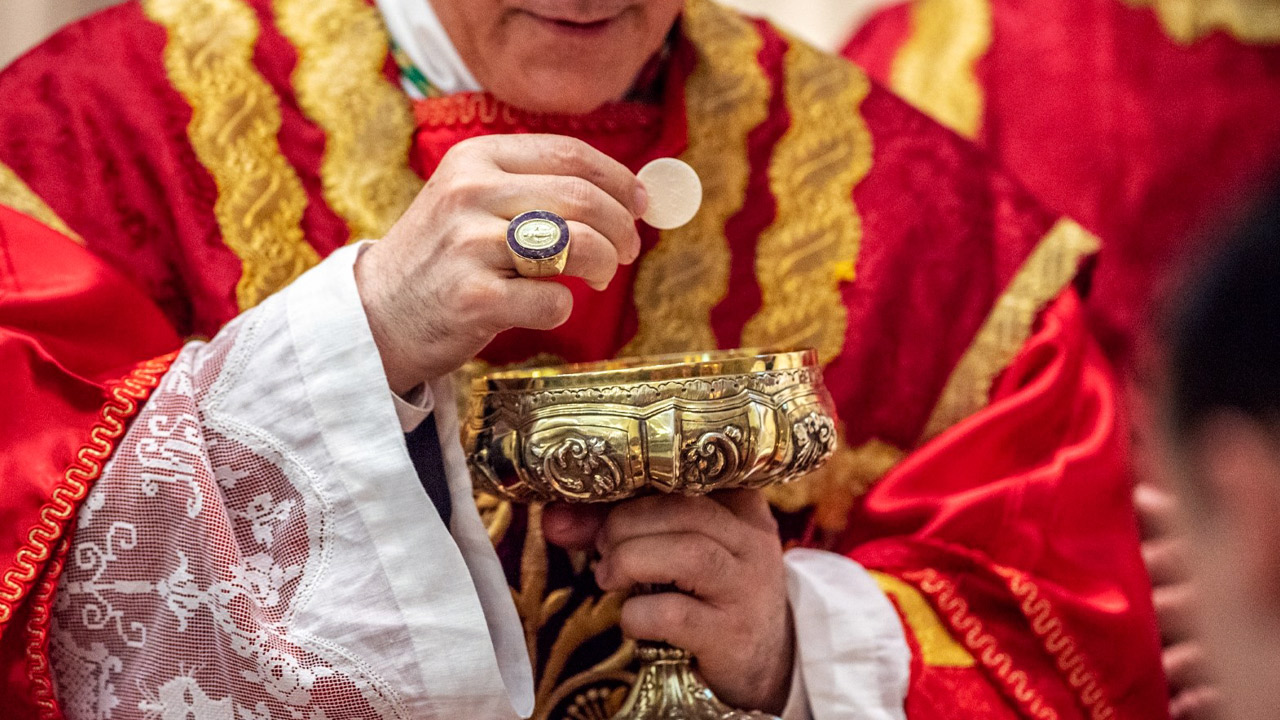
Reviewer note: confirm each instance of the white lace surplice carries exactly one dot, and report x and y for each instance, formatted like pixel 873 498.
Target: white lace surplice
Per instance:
pixel 260 547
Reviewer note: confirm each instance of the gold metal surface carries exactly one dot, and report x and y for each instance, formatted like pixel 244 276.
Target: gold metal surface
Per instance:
pixel 543 268
pixel 537 234
pixel 667 688
pixel 690 424
pixel 687 423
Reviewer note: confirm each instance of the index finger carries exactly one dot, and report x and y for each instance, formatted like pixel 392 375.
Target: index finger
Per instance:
pixel 561 155
pixel 1157 511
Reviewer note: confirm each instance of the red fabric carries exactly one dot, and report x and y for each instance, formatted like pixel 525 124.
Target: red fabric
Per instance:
pixel 1021 513
pixel 70 328
pixel 96 130
pixel 1105 118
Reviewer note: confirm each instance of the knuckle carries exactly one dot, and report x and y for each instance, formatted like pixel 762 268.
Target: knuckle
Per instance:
pixel 476 298
pixel 466 188
pixel 569 152
pixel 576 195
pixel 715 560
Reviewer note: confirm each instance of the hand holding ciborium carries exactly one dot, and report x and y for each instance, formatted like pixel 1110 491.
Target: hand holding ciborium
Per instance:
pixel 691 424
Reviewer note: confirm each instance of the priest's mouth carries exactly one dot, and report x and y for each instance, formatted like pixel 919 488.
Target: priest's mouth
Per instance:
pixel 576 28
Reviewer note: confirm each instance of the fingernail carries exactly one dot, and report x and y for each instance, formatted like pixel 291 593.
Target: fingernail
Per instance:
pixel 642 200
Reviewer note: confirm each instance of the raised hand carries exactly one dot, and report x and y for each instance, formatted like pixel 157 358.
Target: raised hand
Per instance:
pixel 442 284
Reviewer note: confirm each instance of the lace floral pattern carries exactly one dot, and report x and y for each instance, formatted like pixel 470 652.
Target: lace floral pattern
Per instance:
pixel 189 562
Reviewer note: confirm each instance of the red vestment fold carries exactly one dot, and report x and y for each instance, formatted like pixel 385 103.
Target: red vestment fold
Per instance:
pixel 1141 124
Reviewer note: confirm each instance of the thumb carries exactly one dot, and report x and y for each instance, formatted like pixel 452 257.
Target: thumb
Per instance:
pixel 573 527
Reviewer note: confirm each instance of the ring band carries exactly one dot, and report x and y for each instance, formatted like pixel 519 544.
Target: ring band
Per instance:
pixel 539 243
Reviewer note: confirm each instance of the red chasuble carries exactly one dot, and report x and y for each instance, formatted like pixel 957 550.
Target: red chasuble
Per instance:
pixel 210 151
pixel 1141 119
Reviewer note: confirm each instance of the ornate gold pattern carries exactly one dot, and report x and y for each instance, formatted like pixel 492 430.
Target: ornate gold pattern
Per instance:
pixel 39 665
pixel 1186 21
pixel 123 403
pixel 536 606
pixel 981 644
pixel 812 247
pixel 1042 277
pixel 15 194
pixel 934 69
pixel 937 647
pixel 1059 643
pixel 235 118
pixel 367 121
pixel 680 280
pixel 601 432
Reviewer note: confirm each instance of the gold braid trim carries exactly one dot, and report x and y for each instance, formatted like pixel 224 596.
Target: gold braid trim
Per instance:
pixel 367 121
pixel 811 248
pixel 1186 21
pixel 681 279
pixel 981 645
pixel 124 400
pixel 937 647
pixel 1044 275
pixel 235 118
pixel 1059 643
pixel 934 69
pixel 15 194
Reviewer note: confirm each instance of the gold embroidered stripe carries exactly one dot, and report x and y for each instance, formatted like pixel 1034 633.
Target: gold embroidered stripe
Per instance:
pixel 935 69
pixel 367 121
pixel 681 279
pixel 1249 21
pixel 1044 275
pixel 811 248
pixel 234 123
pixel 937 647
pixel 15 194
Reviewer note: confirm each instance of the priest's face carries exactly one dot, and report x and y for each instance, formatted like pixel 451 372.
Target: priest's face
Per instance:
pixel 559 56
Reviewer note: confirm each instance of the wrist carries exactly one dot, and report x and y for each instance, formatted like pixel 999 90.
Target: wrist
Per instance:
pixel 401 375
pixel 779 690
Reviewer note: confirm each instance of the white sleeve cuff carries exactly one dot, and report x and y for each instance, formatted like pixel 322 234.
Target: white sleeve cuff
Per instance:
pixel 852 657
pixel 383 520
pixel 414 406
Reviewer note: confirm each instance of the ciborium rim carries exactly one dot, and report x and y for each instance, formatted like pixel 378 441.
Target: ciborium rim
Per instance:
pixel 646 369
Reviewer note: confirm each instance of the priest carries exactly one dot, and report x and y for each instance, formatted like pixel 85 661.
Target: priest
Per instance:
pixel 276 521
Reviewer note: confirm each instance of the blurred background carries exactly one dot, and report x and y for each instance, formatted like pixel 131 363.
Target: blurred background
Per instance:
pixel 23 23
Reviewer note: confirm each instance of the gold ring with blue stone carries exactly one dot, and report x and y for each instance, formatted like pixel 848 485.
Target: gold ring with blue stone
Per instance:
pixel 539 243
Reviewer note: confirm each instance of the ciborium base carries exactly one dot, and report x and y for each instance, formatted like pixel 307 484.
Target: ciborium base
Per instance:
pixel 667 688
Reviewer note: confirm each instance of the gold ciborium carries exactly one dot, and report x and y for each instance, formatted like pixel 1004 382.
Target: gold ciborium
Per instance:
pixel 690 424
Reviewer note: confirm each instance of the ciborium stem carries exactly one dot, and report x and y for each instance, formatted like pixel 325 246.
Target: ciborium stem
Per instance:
pixel 667 688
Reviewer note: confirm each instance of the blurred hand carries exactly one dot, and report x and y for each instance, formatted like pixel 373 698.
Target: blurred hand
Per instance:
pixel 723 552
pixel 1165 553
pixel 441 284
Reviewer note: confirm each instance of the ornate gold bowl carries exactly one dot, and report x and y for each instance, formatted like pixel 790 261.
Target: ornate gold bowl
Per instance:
pixel 692 424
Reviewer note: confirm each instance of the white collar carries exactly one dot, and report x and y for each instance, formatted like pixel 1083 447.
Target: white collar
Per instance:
pixel 416 29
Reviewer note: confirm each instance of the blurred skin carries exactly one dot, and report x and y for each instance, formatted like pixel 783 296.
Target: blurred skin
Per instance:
pixel 1165 550
pixel 558 56
pixel 1228 503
